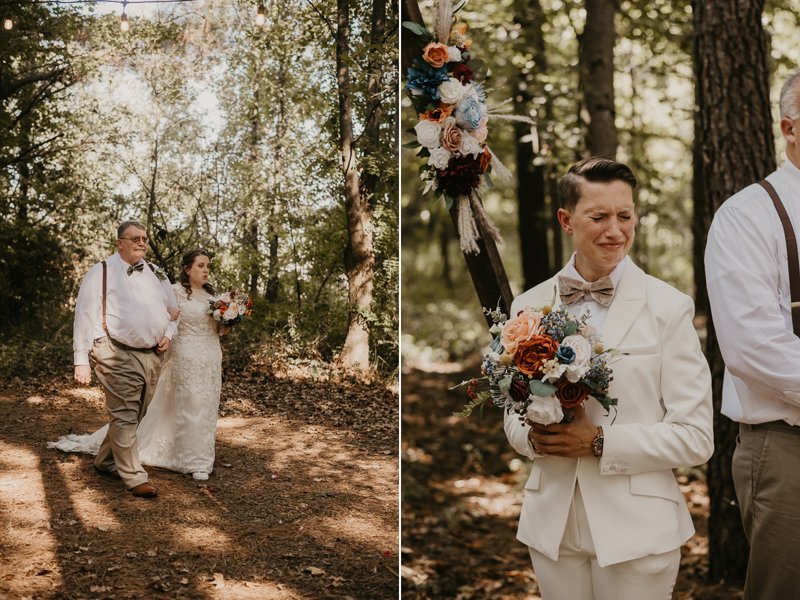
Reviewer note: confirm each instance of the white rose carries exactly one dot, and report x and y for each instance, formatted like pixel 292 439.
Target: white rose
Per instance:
pixel 453 54
pixel 232 312
pixel 469 145
pixel 217 314
pixel 451 120
pixel 574 372
pixel 428 133
pixel 582 348
pixel 452 92
pixel 440 157
pixel 544 410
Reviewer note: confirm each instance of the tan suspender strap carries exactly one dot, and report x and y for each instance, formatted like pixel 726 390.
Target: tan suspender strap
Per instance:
pixel 105 328
pixel 791 249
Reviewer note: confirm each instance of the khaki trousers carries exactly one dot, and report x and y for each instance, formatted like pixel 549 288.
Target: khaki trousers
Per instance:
pixel 577 576
pixel 766 474
pixel 129 379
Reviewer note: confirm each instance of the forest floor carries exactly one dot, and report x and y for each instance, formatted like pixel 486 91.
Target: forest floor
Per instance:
pixel 462 493
pixel 302 503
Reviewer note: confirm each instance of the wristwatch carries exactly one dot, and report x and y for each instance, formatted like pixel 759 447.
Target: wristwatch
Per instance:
pixel 597 443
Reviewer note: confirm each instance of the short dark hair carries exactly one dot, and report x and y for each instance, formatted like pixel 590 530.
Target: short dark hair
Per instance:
pixel 123 227
pixel 595 169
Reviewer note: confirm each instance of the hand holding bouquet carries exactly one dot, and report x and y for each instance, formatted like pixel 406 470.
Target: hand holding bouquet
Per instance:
pixel 543 362
pixel 230 308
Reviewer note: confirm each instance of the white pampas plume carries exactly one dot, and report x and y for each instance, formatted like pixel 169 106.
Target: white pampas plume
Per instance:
pixel 499 168
pixel 467 231
pixel 442 20
pixel 483 218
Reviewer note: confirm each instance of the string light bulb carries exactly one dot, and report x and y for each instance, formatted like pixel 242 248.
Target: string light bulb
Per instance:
pixel 261 17
pixel 124 23
pixel 8 23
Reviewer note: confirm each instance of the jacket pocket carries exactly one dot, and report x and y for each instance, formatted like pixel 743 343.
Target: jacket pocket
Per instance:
pixel 660 484
pixel 640 350
pixel 534 479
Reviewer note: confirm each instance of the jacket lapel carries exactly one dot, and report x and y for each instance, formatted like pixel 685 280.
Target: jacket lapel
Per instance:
pixel 628 301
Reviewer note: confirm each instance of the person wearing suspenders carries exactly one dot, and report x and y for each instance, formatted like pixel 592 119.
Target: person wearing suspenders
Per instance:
pixel 753 274
pixel 122 328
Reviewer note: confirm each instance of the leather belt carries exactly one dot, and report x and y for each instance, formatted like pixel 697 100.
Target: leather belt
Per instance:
pixel 130 348
pixel 778 426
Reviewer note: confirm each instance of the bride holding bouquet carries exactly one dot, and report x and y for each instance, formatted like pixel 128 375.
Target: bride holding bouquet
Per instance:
pixel 178 431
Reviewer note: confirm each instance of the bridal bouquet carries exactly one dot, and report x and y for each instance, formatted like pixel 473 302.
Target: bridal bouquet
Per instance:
pixel 542 363
pixel 230 308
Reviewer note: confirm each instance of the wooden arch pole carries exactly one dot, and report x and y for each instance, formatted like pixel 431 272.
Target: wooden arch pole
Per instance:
pixel 486 267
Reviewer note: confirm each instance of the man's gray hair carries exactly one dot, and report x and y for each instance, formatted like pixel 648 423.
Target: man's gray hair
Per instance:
pixel 124 226
pixel 790 97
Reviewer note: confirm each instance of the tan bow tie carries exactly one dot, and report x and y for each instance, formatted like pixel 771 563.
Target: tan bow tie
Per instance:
pixel 572 290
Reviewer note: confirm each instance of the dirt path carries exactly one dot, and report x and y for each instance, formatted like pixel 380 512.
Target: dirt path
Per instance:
pixel 462 493
pixel 326 526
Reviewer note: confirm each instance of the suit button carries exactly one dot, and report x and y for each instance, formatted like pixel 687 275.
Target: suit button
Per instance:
pixel 623 469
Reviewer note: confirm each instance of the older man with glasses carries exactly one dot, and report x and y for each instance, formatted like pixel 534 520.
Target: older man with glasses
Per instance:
pixel 123 328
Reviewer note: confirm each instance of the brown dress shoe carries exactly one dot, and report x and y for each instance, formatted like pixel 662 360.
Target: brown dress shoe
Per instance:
pixel 144 490
pixel 112 474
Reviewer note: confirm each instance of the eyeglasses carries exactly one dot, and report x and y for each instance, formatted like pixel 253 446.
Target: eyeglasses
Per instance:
pixel 136 240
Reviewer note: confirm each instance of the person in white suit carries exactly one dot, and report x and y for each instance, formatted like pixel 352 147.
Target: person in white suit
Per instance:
pixel 603 515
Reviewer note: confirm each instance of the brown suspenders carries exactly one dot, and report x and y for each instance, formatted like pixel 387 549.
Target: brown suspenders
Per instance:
pixel 791 249
pixel 105 269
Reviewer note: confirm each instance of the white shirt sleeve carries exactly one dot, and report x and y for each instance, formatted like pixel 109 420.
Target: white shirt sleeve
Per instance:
pixel 87 307
pixel 744 280
pixel 172 302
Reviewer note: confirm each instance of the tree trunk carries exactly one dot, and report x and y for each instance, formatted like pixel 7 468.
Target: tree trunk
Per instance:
pixel 597 77
pixel 251 233
pixel 359 257
pixel 734 147
pixel 533 221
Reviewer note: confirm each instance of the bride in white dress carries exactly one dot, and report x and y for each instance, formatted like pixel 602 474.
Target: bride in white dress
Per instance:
pixel 179 429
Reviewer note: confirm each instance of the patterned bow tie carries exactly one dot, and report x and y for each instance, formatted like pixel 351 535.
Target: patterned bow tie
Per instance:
pixel 572 290
pixel 139 267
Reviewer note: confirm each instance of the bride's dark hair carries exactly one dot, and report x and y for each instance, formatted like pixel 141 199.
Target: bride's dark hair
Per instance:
pixel 186 262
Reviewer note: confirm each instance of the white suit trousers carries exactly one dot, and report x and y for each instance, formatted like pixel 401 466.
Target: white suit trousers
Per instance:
pixel 577 576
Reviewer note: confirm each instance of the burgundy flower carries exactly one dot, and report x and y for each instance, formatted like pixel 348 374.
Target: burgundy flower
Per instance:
pixel 460 175
pixel 463 74
pixel 518 390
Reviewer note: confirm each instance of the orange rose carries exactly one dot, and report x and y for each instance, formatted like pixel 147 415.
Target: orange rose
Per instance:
pixel 484 158
pixel 438 115
pixel 530 356
pixel 572 394
pixel 521 329
pixel 435 54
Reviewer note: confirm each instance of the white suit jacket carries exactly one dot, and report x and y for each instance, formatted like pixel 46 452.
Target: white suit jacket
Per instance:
pixel 664 421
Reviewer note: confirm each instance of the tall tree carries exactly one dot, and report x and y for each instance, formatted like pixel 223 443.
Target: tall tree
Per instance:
pixel 531 174
pixel 734 147
pixel 359 255
pixel 597 77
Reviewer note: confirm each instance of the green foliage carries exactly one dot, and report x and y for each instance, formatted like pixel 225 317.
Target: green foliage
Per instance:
pixel 213 132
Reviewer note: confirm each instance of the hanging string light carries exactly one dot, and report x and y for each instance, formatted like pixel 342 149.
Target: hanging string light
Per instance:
pixel 124 23
pixel 261 17
pixel 8 23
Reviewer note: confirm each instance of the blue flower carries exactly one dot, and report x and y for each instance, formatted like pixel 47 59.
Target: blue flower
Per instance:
pixel 426 79
pixel 469 114
pixel 565 355
pixel 481 92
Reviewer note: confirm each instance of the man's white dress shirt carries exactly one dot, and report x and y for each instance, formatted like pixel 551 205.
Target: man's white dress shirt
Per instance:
pixel 597 312
pixel 136 308
pixel 748 286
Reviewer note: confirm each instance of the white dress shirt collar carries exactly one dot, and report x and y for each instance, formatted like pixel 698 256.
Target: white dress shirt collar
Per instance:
pixel 791 173
pixel 616 274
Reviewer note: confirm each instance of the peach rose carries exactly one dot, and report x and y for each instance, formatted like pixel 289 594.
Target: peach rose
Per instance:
pixel 435 54
pixel 451 139
pixel 531 355
pixel 521 329
pixel 438 115
pixel 572 394
pixel 481 132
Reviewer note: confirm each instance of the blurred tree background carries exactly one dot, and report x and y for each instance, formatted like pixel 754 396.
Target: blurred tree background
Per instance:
pixel 460 480
pixel 216 133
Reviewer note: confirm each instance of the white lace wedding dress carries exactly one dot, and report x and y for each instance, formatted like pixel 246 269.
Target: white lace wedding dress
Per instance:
pixel 179 430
